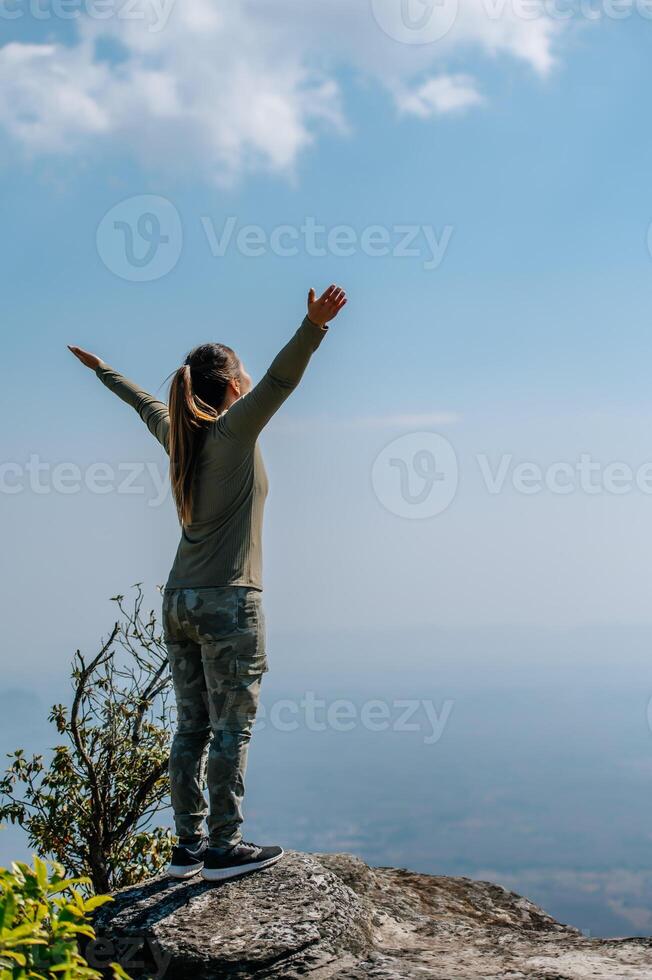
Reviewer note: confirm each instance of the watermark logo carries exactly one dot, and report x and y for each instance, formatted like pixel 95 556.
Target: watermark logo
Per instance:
pixel 427 21
pixel 416 475
pixel 141 238
pixel 415 21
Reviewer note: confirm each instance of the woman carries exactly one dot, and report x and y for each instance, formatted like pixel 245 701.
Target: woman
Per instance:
pixel 212 614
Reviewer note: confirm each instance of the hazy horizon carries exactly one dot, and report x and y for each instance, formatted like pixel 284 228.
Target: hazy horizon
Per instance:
pixel 529 771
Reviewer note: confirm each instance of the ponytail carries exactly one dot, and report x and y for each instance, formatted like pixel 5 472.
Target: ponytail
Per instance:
pixel 197 393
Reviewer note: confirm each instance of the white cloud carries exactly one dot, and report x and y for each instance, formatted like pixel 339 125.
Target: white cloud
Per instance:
pixel 443 93
pixel 225 89
pixel 47 99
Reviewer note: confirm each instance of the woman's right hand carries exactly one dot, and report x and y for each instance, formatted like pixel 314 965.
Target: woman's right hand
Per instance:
pixel 88 360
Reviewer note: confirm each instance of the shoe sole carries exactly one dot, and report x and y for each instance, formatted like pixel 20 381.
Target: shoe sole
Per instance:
pixel 180 873
pixel 222 874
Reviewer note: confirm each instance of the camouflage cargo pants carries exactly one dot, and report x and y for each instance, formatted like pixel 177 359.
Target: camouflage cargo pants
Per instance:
pixel 215 638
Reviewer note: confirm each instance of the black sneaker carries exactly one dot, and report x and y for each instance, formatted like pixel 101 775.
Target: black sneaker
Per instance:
pixel 241 859
pixel 187 860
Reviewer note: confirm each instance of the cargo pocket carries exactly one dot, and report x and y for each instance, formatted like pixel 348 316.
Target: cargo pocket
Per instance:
pixel 251 651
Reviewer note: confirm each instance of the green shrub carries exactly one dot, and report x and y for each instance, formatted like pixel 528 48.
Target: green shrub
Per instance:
pixel 42 917
pixel 91 803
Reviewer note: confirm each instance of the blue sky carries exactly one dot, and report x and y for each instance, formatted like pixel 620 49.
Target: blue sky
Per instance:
pixel 523 145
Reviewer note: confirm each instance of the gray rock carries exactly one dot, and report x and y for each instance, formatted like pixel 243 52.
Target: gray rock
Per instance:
pixel 331 916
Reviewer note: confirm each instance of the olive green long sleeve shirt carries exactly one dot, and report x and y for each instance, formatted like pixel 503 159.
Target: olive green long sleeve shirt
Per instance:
pixel 222 545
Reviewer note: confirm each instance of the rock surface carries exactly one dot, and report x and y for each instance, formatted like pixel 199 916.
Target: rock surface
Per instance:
pixel 330 916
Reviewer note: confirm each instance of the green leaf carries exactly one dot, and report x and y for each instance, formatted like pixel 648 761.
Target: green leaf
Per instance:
pixel 41 869
pixel 18 957
pixel 7 909
pixel 20 933
pixel 119 973
pixel 96 901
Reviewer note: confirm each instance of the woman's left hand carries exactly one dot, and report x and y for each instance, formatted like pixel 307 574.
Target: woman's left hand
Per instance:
pixel 88 360
pixel 326 308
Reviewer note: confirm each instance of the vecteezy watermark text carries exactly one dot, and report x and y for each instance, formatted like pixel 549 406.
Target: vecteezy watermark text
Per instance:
pixel 42 477
pixel 314 714
pixel 586 475
pixel 133 953
pixel 400 241
pixel 154 14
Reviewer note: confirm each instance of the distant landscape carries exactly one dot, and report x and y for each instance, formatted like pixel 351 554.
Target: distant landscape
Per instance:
pixel 540 780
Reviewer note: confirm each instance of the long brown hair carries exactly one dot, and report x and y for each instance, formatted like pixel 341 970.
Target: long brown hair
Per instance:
pixel 197 393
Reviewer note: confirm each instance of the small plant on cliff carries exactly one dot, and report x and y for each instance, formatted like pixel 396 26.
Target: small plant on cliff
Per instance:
pixel 90 806
pixel 43 915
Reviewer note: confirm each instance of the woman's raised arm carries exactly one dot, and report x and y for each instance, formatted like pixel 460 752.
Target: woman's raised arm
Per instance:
pixel 250 413
pixel 153 412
